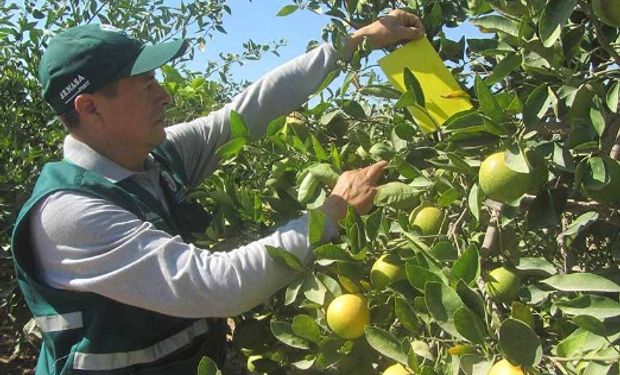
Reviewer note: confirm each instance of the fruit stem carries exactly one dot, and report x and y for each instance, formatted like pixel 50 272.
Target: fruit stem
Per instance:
pixel 492 234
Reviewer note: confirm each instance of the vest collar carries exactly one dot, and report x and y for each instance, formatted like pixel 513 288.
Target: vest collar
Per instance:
pixel 82 155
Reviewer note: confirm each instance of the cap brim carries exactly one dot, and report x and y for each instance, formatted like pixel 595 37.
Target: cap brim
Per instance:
pixel 152 57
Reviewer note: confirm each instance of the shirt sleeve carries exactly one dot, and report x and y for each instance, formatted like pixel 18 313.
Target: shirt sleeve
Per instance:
pixel 88 244
pixel 275 94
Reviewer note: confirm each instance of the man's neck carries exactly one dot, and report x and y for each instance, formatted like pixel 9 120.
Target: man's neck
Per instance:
pixel 130 158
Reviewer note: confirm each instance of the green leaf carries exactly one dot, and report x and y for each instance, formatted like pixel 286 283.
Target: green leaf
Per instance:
pixel 442 302
pixel 515 159
pixel 231 148
pixel 314 290
pixel 285 257
pixel 538 265
pixel 469 325
pixel 471 298
pixel 319 151
pixel 353 109
pixel 507 65
pixel 398 195
pixel 305 327
pixel 474 201
pixel 472 364
pixel 596 116
pixel 237 125
pixel 380 91
pixel 331 252
pixel 496 23
pixel 406 315
pixel 286 10
pixel 582 282
pixel 405 169
pixel 413 86
pixel 590 323
pixel 448 197
pixel 488 104
pixel 519 343
pixel 598 307
pixel 553 17
pixel 292 291
pixel 283 331
pixel 316 226
pixel 580 223
pixel 537 105
pixel 208 367
pixel 467 267
pixel 386 344
pixel 419 276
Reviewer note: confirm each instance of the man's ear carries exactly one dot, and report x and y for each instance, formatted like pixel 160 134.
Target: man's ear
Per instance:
pixel 86 106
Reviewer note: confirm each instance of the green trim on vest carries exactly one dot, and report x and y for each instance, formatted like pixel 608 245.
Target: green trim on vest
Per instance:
pixel 77 325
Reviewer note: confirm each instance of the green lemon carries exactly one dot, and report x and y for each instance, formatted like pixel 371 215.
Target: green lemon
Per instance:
pixel 386 270
pixel 499 182
pixel 428 220
pixel 503 285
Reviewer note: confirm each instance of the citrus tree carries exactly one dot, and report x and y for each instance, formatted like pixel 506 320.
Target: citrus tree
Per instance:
pixel 31 135
pixel 494 245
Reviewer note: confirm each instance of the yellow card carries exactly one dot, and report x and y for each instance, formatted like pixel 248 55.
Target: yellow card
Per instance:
pixel 443 95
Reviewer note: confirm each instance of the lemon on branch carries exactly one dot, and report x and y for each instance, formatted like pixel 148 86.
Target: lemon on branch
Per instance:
pixel 503 284
pixel 427 219
pixel 504 367
pixel 501 183
pixel 386 270
pixel 348 315
pixel 396 369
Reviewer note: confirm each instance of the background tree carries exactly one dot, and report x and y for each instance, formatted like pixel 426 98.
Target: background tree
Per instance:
pixel 476 278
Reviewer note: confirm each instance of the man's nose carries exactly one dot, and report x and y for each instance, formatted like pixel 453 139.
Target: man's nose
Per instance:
pixel 163 95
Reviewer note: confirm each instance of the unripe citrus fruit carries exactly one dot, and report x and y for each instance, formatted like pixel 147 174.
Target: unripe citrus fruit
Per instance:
pixel 347 315
pixel 428 220
pixel 503 284
pixel 396 369
pixel 609 192
pixel 499 182
pixel 607 11
pixel 386 270
pixel 504 367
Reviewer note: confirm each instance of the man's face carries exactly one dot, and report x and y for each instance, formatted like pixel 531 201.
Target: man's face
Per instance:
pixel 135 116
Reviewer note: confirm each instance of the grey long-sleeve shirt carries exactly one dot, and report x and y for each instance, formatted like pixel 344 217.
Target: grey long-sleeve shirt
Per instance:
pixel 88 244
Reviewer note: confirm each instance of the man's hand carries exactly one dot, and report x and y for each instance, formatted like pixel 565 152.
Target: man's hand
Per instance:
pixel 397 26
pixel 356 188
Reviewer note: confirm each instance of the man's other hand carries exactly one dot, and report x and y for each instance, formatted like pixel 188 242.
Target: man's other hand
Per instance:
pixel 356 188
pixel 397 26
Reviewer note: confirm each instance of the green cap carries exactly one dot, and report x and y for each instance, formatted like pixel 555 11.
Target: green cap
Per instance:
pixel 85 58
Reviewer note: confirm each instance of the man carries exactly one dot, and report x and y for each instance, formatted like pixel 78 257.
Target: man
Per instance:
pixel 103 249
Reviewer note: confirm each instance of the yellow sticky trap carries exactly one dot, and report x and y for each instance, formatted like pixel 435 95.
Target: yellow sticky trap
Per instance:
pixel 443 95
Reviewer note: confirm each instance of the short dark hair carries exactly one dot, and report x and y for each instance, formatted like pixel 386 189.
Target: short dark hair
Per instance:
pixel 71 118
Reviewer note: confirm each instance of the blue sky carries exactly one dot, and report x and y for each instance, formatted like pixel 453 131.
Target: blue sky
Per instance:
pixel 257 21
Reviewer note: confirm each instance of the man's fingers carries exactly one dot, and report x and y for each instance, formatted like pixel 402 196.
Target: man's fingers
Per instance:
pixel 374 172
pixel 410 33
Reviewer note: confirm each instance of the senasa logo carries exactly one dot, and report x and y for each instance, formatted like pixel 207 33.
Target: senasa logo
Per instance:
pixel 75 86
